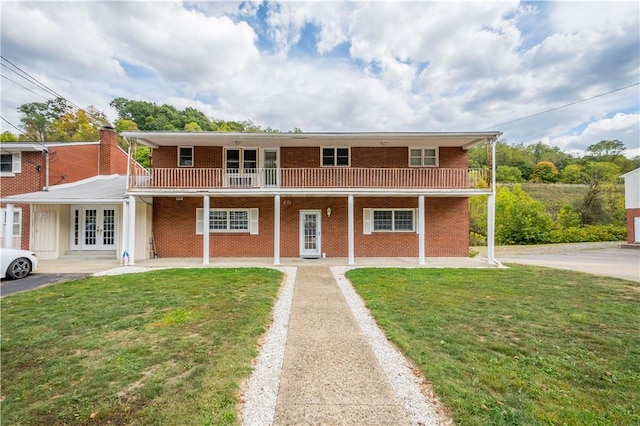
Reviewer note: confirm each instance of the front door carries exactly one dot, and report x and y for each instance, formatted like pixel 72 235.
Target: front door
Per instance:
pixel 310 233
pixel 94 228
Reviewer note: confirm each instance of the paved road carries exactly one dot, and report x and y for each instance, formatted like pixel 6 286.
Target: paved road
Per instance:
pixel 612 262
pixel 36 280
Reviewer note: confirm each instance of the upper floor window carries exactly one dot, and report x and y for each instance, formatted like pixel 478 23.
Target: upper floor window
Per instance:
pixel 423 157
pixel 245 159
pixel 185 156
pixel 10 163
pixel 335 157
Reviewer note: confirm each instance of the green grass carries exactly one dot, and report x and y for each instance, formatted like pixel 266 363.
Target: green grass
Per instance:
pixel 164 347
pixel 518 346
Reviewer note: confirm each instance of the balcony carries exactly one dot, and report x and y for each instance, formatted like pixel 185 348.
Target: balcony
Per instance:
pixel 308 178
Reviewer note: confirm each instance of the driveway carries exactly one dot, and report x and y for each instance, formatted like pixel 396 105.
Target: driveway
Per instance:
pixel 36 280
pixel 607 259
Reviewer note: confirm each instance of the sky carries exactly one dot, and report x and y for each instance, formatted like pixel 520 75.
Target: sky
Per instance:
pixel 375 66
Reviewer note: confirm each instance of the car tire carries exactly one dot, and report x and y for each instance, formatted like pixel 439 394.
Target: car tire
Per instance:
pixel 19 268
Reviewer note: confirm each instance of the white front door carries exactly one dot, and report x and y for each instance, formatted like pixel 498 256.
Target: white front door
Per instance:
pixel 636 226
pixel 93 228
pixel 310 233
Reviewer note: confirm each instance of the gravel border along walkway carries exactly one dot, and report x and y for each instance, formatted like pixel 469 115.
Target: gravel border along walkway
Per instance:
pixel 261 395
pixel 406 385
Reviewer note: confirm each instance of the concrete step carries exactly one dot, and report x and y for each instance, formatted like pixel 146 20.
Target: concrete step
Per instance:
pixel 91 254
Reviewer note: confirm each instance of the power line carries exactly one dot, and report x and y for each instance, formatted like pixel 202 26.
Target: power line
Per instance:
pixel 25 75
pixel 24 87
pixel 565 105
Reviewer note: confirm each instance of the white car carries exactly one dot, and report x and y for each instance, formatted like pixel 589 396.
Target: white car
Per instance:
pixel 16 263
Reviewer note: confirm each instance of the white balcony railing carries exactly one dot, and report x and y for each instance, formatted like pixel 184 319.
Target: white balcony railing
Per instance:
pixel 204 178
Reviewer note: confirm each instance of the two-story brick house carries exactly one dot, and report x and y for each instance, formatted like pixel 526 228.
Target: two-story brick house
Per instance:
pixel 309 194
pixel 44 206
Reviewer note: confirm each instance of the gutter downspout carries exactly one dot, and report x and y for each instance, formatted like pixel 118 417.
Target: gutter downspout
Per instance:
pixel 128 163
pixel 46 165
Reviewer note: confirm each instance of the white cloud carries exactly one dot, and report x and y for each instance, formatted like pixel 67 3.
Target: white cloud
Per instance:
pixel 414 66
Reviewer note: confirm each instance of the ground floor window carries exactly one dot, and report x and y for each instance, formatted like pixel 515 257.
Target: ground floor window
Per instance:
pixel 389 220
pixel 228 220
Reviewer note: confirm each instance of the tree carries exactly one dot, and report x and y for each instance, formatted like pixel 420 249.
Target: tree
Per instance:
pixel 544 172
pixel 602 178
pixel 38 118
pixel 7 136
pixel 573 173
pixel 508 174
pixel 606 150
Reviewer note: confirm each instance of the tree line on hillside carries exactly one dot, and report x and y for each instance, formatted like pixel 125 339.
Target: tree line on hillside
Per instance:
pixel 541 163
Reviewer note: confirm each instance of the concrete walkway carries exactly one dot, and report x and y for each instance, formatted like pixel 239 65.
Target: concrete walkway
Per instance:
pixel 330 374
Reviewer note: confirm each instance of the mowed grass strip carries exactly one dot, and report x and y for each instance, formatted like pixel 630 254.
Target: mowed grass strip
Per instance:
pixel 518 346
pixel 166 347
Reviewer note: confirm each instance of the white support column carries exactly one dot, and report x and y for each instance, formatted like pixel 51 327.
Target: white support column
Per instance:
pixel 205 230
pixel 350 230
pixel 421 230
pixel 491 210
pixel 8 226
pixel 125 232
pixel 491 220
pixel 132 229
pixel 276 230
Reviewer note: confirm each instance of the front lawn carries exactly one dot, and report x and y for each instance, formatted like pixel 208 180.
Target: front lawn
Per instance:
pixel 518 346
pixel 164 347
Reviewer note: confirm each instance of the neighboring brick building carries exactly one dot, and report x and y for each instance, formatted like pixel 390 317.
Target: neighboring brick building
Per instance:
pixel 33 167
pixel 309 194
pixel 632 205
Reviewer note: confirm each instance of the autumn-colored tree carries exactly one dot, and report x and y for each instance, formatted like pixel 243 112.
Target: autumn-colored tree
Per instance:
pixel 545 172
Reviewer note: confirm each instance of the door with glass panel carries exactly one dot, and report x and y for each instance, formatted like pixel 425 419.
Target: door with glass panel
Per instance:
pixel 310 233
pixel 270 167
pixel 93 228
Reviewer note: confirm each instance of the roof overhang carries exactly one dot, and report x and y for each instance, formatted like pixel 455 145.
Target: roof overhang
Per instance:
pixel 95 190
pixel 465 140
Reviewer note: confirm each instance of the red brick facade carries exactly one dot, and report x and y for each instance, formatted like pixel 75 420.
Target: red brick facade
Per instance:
pixel 446 225
pixel 68 162
pixel 446 218
pixel 631 231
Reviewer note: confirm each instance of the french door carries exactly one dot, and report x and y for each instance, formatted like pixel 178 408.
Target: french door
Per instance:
pixel 310 233
pixel 93 228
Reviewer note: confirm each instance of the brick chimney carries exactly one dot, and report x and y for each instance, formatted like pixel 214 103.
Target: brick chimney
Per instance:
pixel 108 147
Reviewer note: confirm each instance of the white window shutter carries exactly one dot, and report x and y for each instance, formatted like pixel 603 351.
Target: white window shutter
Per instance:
pixel 16 165
pixel 367 224
pixel 253 221
pixel 199 221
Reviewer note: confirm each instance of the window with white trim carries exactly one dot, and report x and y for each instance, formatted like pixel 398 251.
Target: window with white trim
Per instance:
pixel 10 163
pixel 335 157
pixel 185 156
pixel 388 220
pixel 241 159
pixel 228 220
pixel 423 157
pixel 17 221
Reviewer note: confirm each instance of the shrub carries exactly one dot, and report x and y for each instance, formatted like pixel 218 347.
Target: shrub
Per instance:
pixel 520 219
pixel 589 233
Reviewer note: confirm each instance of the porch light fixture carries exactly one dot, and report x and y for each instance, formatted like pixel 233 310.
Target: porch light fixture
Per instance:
pixel 328 211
